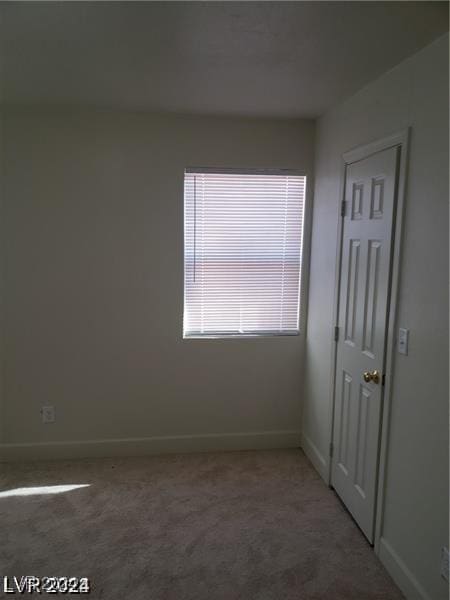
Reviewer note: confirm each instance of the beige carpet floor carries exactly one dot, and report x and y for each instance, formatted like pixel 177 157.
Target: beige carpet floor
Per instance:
pixel 257 525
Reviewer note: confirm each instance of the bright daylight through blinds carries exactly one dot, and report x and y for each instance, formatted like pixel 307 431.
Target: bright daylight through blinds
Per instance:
pixel 242 252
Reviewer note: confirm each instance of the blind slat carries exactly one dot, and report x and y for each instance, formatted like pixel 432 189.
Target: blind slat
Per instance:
pixel 242 253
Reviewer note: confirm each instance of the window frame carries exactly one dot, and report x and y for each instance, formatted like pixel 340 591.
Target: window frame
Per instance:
pixel 304 254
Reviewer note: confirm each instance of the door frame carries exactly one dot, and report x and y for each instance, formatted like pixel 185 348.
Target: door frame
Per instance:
pixel 401 140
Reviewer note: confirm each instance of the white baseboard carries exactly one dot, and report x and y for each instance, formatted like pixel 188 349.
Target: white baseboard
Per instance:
pixel 150 445
pixel 317 459
pixel 400 573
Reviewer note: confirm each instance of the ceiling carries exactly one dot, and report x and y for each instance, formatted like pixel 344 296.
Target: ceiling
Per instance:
pixel 281 59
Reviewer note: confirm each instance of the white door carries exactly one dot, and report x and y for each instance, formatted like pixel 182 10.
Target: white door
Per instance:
pixel 367 240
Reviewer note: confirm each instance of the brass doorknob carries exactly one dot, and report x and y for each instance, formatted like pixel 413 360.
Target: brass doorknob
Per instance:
pixel 371 376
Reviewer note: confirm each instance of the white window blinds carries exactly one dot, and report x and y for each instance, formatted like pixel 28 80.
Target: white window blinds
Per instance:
pixel 242 252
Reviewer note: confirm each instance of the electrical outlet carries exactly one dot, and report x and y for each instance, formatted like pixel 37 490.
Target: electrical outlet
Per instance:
pixel 48 414
pixel 444 563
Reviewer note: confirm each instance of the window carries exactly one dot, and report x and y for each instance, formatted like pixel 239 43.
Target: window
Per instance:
pixel 242 252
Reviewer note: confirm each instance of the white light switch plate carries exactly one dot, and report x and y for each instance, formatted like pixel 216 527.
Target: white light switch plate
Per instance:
pixel 403 337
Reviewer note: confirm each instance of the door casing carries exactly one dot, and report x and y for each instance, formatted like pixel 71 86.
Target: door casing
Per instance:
pixel 401 140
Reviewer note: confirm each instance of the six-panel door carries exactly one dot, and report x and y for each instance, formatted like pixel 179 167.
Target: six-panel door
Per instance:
pixel 370 190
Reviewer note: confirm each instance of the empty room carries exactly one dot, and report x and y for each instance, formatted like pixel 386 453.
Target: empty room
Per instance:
pixel 209 213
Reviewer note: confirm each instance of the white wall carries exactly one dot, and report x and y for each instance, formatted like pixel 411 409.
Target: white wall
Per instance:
pixel 416 505
pixel 93 226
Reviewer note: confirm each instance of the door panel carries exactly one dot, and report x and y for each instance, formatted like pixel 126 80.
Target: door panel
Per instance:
pixel 352 291
pixel 363 300
pixel 370 305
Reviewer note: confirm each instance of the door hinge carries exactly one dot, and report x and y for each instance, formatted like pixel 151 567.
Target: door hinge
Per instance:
pixel 343 208
pixel 331 449
pixel 336 333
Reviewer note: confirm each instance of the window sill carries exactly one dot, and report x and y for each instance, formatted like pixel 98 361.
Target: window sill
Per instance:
pixel 234 336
